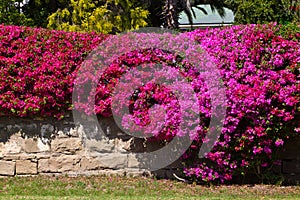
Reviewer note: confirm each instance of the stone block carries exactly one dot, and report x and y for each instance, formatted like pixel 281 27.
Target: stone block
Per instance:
pixel 113 160
pixel 133 161
pixel 42 156
pixel 31 146
pixel 12 147
pixel 12 157
pixel 21 156
pixel 7 168
pixel 59 164
pixel 89 164
pixel 66 145
pixel 35 146
pixel 26 167
pixel 43 147
pixel 100 146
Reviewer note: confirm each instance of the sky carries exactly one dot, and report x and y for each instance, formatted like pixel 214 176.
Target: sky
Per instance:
pixel 210 18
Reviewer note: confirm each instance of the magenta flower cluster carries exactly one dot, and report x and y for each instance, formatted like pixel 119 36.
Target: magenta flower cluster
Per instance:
pixel 37 69
pixel 261 72
pixel 163 124
pixel 259 69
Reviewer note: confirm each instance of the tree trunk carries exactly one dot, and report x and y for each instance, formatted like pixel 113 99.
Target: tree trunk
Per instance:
pixel 170 14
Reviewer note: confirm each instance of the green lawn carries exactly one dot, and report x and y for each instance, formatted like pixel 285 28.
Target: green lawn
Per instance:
pixel 103 187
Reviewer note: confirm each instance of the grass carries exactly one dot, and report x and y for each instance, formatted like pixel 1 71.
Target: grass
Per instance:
pixel 116 187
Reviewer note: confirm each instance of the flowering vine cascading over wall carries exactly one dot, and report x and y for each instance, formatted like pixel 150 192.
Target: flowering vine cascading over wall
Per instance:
pixel 259 68
pixel 37 69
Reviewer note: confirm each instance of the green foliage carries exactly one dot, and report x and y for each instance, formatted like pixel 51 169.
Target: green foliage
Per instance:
pixel 10 13
pixel 290 31
pixel 172 9
pixel 40 10
pixel 104 17
pixel 294 10
pixel 260 11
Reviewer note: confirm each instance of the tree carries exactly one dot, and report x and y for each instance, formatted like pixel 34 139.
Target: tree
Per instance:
pixel 155 8
pixel 108 16
pixel 260 11
pixel 11 13
pixel 40 10
pixel 294 9
pixel 172 9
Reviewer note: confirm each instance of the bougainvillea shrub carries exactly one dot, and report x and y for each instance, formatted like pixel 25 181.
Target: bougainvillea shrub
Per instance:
pixel 261 72
pixel 147 95
pixel 259 69
pixel 37 69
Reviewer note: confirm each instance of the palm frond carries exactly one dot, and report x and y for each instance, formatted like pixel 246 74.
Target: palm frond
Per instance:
pixel 187 9
pixel 201 9
pixel 220 10
pixel 194 14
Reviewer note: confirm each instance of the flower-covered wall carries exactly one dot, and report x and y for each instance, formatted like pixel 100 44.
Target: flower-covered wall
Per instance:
pixel 258 67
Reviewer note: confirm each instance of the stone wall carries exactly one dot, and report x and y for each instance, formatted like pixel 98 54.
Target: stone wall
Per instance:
pixel 40 146
pixel 47 146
